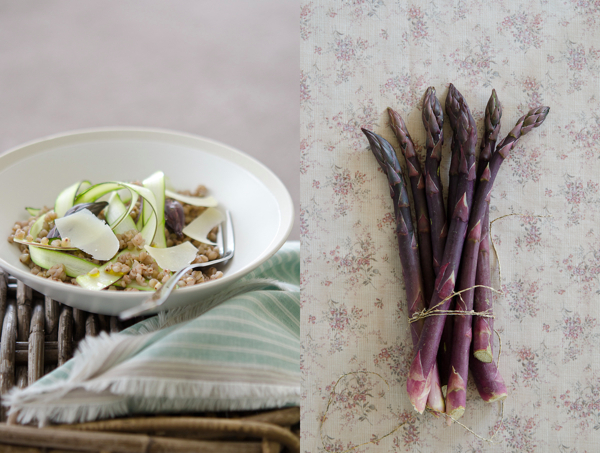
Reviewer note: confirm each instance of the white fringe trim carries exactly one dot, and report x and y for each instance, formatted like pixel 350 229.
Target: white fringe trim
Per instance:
pixel 115 398
pixel 96 355
pixel 78 413
pixel 73 414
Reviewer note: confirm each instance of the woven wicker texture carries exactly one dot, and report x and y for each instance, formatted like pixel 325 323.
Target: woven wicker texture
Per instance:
pixel 38 334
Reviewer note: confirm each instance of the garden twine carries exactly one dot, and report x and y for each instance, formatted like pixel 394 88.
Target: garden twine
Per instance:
pixel 434 311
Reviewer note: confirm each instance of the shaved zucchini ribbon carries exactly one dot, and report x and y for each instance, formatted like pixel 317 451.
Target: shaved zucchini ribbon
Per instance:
pixel 116 215
pixel 33 211
pixel 155 183
pixel 74 266
pixel 82 269
pixel 151 215
pixel 101 279
pixel 151 224
pixel 67 198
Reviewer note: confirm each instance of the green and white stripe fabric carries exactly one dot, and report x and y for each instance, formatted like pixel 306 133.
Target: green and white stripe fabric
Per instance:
pixel 242 354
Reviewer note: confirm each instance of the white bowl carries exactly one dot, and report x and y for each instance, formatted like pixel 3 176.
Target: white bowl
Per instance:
pixel 33 174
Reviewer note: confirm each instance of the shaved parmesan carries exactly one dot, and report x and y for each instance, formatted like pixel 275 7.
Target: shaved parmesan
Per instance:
pixel 173 258
pixel 201 225
pixel 89 233
pixel 208 202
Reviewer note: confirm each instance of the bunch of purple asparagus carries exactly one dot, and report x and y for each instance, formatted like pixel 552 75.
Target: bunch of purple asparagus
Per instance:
pixel 446 263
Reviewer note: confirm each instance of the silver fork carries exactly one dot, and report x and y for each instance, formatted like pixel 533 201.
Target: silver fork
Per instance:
pixel 226 249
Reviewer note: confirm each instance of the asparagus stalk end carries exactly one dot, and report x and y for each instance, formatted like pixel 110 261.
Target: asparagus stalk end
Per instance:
pixel 417 385
pixel 456 395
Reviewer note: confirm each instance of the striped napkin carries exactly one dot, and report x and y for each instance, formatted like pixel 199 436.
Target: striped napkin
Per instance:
pixel 239 350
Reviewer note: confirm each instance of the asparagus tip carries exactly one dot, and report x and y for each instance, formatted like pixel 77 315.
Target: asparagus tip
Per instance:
pixel 494 110
pixel 395 118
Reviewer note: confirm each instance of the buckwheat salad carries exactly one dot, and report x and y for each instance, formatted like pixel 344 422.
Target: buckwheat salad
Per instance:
pixel 121 236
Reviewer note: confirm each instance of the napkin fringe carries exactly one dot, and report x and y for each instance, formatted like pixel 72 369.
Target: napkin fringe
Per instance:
pixel 151 395
pixel 78 413
pixel 96 355
pixel 72 413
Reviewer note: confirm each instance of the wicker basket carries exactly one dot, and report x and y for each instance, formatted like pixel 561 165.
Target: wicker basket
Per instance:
pixel 38 334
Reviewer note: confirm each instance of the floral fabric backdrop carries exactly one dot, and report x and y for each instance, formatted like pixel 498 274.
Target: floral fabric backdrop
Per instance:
pixel 357 58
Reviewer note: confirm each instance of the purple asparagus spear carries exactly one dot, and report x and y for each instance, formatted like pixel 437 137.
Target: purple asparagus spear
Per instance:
pixel 419 380
pixel 483 327
pixel 456 395
pixel 486 376
pixel 452 111
pixel 407 243
pixel 433 119
pixel 417 184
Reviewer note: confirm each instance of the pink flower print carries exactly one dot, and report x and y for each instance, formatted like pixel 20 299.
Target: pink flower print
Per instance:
pixel 531 84
pixel 387 221
pixel 360 398
pixel 587 9
pixel 304 88
pixel 384 354
pixel 338 318
pixel 342 183
pixel 405 88
pixel 411 435
pixel 475 61
pixel 529 371
pixel 576 58
pixel 306 12
pixel 574 193
pixel 415 13
pixel 525 162
pixel 583 404
pixel 572 328
pixel 579 334
pixel 418 27
pixel 525 28
pixel 344 49
pixel 519 433
pixel 522 296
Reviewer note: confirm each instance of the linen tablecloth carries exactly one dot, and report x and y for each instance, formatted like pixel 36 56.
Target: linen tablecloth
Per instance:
pixel 238 350
pixel 357 59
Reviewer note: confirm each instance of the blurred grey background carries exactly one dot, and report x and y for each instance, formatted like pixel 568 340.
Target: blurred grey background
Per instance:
pixel 226 70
